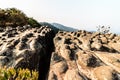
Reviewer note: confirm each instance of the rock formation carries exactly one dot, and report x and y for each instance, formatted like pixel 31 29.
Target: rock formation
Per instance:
pixel 26 47
pixel 77 55
pixel 85 55
pixel 62 55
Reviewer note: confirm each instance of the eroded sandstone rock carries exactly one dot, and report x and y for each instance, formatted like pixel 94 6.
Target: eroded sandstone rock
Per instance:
pixel 77 55
pixel 85 56
pixel 22 47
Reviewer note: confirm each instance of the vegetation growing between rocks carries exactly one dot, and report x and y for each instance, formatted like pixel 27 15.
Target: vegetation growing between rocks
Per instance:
pixel 18 74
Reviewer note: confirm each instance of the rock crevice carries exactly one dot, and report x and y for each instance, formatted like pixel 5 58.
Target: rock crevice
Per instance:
pixel 79 55
pixel 27 47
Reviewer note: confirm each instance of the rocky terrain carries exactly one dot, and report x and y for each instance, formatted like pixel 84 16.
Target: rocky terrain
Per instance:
pixel 57 55
pixel 26 47
pixel 79 55
pixel 84 55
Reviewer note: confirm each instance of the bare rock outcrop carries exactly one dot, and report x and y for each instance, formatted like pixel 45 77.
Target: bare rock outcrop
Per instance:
pixel 26 47
pixel 77 55
pixel 85 55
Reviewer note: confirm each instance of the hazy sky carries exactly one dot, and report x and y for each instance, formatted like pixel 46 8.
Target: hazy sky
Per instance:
pixel 81 14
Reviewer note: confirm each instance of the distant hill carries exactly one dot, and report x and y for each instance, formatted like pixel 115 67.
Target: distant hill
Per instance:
pixel 49 25
pixel 62 27
pixel 56 26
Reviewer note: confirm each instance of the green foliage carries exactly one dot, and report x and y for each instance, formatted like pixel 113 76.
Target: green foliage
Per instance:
pixel 12 17
pixel 15 17
pixel 33 22
pixel 103 29
pixel 19 74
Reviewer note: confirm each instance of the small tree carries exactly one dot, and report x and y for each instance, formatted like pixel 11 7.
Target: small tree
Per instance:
pixel 103 29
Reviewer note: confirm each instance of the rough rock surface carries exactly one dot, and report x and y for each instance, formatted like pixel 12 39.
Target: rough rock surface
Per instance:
pixel 77 55
pixel 85 55
pixel 26 47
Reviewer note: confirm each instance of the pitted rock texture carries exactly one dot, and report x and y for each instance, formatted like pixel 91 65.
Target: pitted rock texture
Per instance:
pixel 85 55
pixel 26 47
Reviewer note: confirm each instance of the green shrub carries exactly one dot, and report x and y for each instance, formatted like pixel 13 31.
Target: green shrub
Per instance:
pixel 15 17
pixel 12 17
pixel 33 22
pixel 18 74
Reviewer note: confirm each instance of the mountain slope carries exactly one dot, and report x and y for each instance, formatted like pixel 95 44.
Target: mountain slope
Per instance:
pixel 50 25
pixel 62 27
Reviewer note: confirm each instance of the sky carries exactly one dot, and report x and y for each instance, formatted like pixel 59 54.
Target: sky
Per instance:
pixel 80 14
